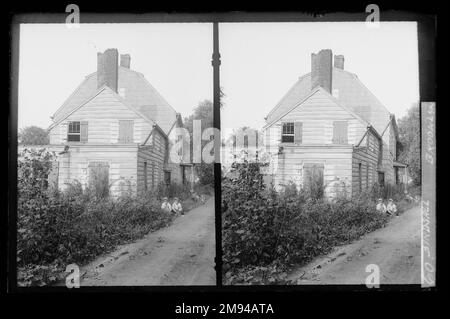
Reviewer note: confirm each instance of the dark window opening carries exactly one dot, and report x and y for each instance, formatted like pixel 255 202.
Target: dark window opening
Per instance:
pixel 183 174
pixel 167 177
pixel 145 177
pixel 381 178
pixel 359 177
pixel 367 175
pixel 153 175
pixel 380 153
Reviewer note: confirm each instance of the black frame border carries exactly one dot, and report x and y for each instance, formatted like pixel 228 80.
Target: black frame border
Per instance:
pixel 427 40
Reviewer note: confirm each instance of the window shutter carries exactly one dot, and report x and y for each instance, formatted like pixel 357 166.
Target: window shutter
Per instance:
pixel 335 133
pixel 343 133
pixel 84 131
pixel 126 131
pixel 121 131
pixel 281 133
pixel 298 130
pixel 340 132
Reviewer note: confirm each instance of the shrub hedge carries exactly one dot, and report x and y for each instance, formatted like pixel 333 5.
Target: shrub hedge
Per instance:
pixel 267 232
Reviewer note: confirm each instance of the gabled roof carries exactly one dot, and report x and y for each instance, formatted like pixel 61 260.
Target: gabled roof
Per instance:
pixel 392 122
pixel 287 110
pixel 352 94
pixel 155 127
pixel 119 98
pixel 139 94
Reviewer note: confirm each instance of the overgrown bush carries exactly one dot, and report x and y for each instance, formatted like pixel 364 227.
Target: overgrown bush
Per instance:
pixel 396 192
pixel 267 231
pixel 205 173
pixel 59 228
pixel 182 191
pixel 74 228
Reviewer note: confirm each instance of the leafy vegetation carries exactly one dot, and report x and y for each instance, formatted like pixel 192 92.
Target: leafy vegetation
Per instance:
pixel 75 226
pixel 267 232
pixel 409 148
pixel 203 112
pixel 33 135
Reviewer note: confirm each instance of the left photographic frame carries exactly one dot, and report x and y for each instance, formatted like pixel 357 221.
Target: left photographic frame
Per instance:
pixel 108 194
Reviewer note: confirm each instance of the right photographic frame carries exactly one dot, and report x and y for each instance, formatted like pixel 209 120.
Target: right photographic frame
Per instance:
pixel 328 171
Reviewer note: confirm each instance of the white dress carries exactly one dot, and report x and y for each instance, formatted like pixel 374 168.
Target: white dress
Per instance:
pixel 166 207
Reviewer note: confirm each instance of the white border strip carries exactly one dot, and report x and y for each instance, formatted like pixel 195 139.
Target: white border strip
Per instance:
pixel 428 202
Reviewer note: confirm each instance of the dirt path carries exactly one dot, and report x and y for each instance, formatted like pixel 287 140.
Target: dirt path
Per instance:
pixel 181 254
pixel 395 249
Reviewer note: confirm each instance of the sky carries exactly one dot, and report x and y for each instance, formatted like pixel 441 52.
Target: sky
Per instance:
pixel 53 60
pixel 260 62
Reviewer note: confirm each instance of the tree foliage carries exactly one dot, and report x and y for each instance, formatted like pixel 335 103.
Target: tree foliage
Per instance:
pixel 409 148
pixel 33 135
pixel 203 112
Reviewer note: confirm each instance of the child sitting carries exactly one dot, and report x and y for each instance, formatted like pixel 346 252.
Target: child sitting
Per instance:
pixel 391 207
pixel 176 206
pixel 380 206
pixel 165 206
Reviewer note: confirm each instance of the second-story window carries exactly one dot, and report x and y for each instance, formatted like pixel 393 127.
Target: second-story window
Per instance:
pixel 74 132
pixel 287 135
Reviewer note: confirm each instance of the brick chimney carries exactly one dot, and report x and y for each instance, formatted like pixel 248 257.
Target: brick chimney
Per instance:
pixel 339 61
pixel 321 69
pixel 125 60
pixel 107 69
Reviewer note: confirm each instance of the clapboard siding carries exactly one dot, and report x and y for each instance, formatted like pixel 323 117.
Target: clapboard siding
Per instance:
pixel 154 161
pixel 155 154
pixel 368 156
pixel 103 113
pixel 317 114
pixel 336 160
pixel 122 162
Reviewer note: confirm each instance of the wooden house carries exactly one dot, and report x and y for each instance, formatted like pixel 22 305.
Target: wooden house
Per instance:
pixel 329 128
pixel 116 124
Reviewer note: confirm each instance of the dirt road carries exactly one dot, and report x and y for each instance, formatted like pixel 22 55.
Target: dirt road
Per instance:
pixel 181 254
pixel 395 249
